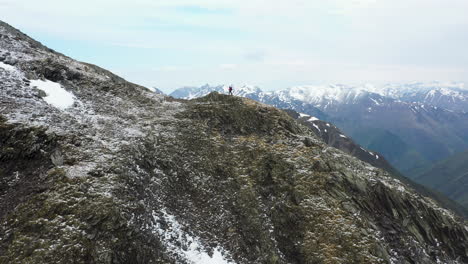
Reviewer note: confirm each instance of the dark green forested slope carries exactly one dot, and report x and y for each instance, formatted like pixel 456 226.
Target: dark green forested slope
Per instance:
pixel 449 176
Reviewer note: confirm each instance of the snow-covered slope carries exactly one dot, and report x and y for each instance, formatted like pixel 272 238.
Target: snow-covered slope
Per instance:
pixel 324 96
pixel 451 96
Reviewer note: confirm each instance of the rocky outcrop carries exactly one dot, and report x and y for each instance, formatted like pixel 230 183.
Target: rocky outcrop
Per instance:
pixel 125 175
pixel 24 156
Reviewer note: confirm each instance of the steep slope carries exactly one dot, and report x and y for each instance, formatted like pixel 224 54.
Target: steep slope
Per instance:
pixel 449 176
pixel 124 175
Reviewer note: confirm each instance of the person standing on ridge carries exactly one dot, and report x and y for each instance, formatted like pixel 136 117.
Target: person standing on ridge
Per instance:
pixel 230 89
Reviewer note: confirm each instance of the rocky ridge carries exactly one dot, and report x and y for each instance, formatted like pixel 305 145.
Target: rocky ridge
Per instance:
pixel 125 175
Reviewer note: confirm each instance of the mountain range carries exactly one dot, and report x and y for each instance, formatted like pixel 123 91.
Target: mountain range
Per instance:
pixel 95 169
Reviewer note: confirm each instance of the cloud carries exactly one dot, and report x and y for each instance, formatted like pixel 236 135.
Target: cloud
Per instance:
pixel 169 68
pixel 228 66
pixel 258 55
pixel 198 10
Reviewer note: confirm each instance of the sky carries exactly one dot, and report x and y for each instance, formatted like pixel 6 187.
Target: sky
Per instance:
pixel 273 44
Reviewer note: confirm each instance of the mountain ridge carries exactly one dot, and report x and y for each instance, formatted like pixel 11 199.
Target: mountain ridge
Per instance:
pixel 365 113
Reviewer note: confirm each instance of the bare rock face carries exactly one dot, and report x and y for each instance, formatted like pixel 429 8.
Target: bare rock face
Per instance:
pixel 125 175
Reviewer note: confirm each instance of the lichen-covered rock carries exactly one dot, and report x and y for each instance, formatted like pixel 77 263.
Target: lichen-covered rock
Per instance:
pixel 125 175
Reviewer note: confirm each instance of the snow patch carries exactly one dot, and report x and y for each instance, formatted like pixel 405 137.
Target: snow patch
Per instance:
pixel 303 115
pixel 56 94
pixel 316 127
pixel 7 67
pixel 313 118
pixel 173 236
pixel 343 136
pixel 375 101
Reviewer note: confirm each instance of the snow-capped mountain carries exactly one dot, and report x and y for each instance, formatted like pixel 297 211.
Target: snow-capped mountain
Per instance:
pixel 317 95
pixel 330 98
pixel 324 96
pixel 451 96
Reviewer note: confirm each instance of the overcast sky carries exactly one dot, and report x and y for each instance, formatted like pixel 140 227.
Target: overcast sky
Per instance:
pixel 270 43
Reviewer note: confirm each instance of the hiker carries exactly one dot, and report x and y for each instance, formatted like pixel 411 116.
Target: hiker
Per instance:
pixel 230 89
